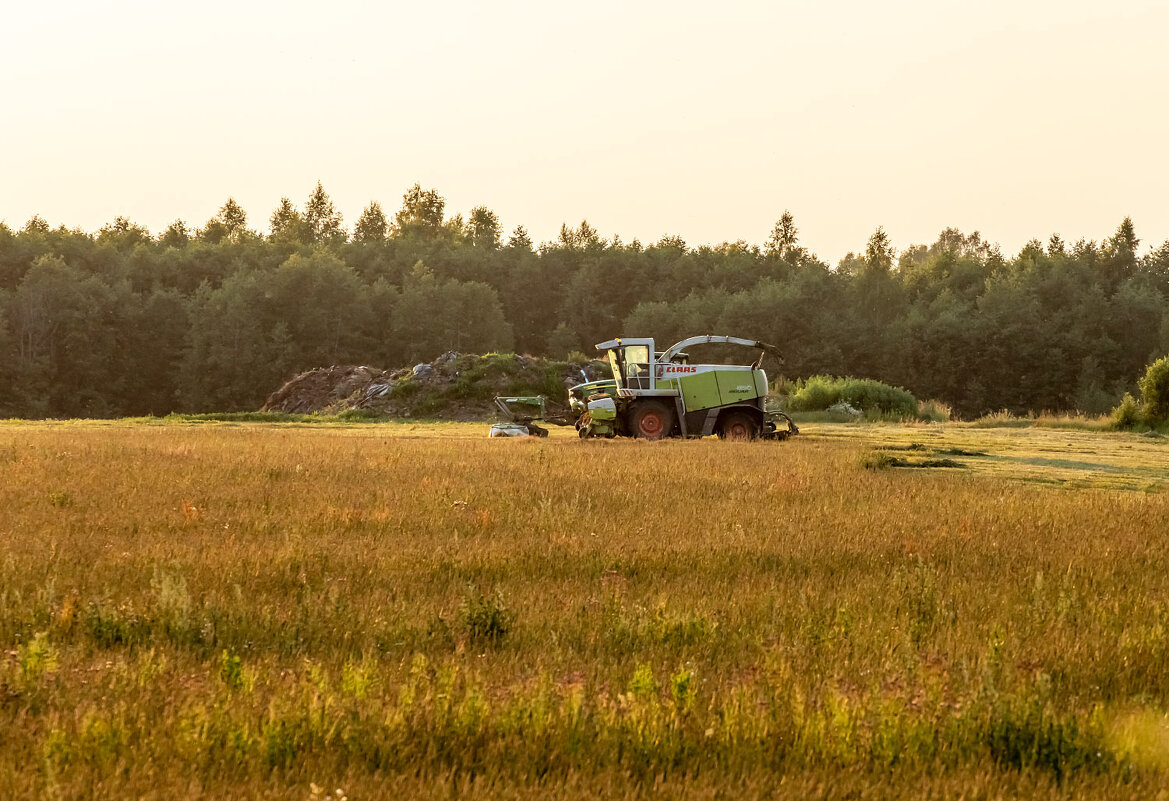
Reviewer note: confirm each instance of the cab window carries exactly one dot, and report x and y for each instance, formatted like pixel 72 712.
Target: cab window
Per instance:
pixel 637 366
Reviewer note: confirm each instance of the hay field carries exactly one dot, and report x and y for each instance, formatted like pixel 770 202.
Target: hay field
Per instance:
pixel 298 612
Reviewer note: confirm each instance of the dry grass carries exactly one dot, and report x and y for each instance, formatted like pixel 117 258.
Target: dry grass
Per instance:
pixel 254 611
pixel 1070 458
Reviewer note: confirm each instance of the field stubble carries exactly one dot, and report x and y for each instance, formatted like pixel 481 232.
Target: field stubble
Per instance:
pixel 251 610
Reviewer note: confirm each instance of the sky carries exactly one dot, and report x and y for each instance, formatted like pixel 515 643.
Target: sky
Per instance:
pixel 705 120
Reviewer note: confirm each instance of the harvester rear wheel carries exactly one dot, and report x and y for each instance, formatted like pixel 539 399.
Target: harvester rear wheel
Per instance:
pixel 651 419
pixel 738 426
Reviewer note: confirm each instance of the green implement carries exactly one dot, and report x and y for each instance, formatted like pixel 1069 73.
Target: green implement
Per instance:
pixel 522 412
pixel 655 394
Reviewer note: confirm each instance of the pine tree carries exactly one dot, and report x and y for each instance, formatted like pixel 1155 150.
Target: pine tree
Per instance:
pixel 36 225
pixel 371 225
pixel 286 224
pixel 322 221
pixel 879 252
pixel 783 236
pixel 1120 253
pixel 234 220
pixel 176 235
pixel 421 212
pixel 520 240
pixel 483 228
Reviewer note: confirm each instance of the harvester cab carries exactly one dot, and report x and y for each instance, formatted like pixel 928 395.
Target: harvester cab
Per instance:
pixel 661 394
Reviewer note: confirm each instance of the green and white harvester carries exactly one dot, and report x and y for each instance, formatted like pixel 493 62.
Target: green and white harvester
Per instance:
pixel 654 395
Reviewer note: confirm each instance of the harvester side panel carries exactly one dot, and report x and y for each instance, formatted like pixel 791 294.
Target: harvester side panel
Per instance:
pixel 736 384
pixel 699 391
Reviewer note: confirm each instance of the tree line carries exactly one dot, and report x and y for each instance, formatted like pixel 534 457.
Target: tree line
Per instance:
pixel 212 318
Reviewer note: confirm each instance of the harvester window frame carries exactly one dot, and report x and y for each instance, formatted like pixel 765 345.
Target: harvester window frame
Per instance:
pixel 617 363
pixel 630 360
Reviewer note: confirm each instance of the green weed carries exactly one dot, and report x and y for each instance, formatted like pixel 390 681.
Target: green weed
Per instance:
pixel 37 658
pixel 485 618
pixel 231 670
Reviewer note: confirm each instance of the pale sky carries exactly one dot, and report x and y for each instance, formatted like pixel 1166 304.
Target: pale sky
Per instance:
pixel 707 120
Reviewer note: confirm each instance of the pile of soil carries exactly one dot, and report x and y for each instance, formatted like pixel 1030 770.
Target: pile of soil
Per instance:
pixel 325 387
pixel 455 386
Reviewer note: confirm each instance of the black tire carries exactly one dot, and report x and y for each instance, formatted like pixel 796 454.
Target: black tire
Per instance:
pixel 651 419
pixel 738 426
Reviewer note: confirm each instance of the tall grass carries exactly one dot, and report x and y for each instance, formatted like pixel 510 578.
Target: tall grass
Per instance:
pixel 1069 420
pixel 258 611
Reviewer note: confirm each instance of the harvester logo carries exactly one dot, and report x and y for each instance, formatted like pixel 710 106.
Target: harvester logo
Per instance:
pixel 676 369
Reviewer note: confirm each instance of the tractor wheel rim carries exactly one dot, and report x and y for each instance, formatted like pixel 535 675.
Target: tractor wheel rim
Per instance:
pixel 652 424
pixel 738 431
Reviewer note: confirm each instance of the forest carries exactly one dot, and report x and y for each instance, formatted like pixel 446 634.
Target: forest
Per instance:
pixel 213 318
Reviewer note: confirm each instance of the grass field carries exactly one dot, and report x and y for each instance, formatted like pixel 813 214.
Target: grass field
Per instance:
pixel 299 611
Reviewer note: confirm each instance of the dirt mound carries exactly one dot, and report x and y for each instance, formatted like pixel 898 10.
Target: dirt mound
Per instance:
pixel 458 386
pixel 324 387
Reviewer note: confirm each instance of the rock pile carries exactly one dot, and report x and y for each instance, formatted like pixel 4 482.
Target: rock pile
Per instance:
pixel 457 386
pixel 325 387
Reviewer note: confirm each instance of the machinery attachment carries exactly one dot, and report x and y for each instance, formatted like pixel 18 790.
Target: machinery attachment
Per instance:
pixel 522 412
pixel 771 429
pixel 601 418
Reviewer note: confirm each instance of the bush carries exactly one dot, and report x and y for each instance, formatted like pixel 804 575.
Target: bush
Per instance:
pixel 876 460
pixel 816 394
pixel 1155 391
pixel 819 392
pixel 933 411
pixel 867 394
pixel 1128 414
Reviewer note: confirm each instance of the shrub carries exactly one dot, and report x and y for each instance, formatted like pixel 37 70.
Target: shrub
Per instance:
pixel 1128 414
pixel 933 411
pixel 867 394
pixel 876 460
pixel 1155 391
pixel 819 392
pixel 815 394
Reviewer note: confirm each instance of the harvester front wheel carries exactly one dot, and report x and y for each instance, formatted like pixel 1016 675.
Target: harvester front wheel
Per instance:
pixel 738 426
pixel 651 419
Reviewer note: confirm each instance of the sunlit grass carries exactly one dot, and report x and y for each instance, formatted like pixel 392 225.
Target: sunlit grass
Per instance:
pixel 1042 454
pixel 237 609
